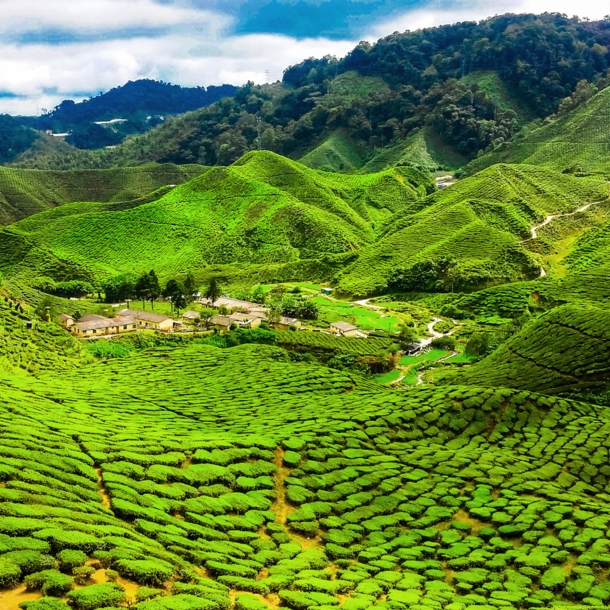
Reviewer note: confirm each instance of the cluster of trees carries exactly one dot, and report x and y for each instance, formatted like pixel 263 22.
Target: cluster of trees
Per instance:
pixel 14 138
pixel 424 276
pixel 147 288
pixel 70 289
pixel 283 303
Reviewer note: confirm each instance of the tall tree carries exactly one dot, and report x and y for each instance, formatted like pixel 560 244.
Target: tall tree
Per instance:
pixel 190 286
pixel 176 293
pixel 154 288
pixel 142 288
pixel 213 291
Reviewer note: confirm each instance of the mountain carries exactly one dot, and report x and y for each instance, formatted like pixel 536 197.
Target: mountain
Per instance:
pixel 262 210
pixel 577 141
pixel 135 107
pixel 472 84
pixel 27 192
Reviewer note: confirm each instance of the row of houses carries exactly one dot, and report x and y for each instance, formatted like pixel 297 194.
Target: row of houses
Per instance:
pixel 124 321
pixel 243 315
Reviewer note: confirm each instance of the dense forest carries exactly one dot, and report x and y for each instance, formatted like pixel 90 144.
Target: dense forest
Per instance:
pixel 142 104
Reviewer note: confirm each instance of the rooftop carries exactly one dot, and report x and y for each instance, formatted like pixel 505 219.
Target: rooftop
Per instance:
pixel 190 315
pixel 103 323
pixel 221 320
pixel 147 316
pixel 230 303
pixel 343 326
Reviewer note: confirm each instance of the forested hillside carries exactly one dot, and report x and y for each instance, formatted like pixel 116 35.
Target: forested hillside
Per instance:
pixel 471 84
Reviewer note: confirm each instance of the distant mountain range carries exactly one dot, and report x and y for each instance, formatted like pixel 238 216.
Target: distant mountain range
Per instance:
pixel 107 119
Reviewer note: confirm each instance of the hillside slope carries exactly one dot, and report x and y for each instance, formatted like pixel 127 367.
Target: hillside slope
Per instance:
pixel 27 192
pixel 577 141
pixel 566 348
pixel 263 209
pixel 479 222
pixel 237 474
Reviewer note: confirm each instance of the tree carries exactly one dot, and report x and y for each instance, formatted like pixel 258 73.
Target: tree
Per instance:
pixel 154 288
pixel 213 291
pixel 176 293
pixel 119 288
pixel 407 336
pixel 142 289
pixel 46 309
pixel 77 315
pixel 190 287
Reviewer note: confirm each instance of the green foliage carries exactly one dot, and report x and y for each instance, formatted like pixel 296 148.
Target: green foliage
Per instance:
pixel 96 596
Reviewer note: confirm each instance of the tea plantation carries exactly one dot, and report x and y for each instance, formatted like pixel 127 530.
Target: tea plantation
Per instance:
pixel 166 482
pixel 26 192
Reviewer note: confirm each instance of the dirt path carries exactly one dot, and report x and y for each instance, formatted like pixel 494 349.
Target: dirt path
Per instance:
pixel 102 489
pixel 549 219
pixel 365 303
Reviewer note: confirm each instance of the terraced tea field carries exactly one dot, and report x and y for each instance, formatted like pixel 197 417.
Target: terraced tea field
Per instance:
pixel 181 489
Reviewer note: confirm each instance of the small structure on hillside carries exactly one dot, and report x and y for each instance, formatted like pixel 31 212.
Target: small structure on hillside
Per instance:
pixel 101 326
pixel 285 323
pixel 345 329
pixel 246 320
pixel 221 323
pixel 326 291
pixel 191 316
pixel 149 320
pixel 65 320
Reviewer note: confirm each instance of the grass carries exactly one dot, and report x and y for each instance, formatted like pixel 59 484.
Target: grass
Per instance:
pixel 337 153
pixel 480 222
pixel 423 149
pixel 365 318
pixel 566 348
pixel 388 377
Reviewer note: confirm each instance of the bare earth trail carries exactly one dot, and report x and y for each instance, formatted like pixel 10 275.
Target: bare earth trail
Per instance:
pixel 549 219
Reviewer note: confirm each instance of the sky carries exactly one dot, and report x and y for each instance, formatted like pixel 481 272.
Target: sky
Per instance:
pixel 51 50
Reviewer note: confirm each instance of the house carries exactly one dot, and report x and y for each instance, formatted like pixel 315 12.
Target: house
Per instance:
pixel 104 326
pixel 221 323
pixel 191 316
pixel 65 320
pixel 326 291
pixel 149 320
pixel 245 320
pixel 91 316
pixel 285 323
pixel 345 329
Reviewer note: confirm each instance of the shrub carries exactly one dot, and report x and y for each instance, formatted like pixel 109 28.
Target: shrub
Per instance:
pixel 30 561
pixel 51 582
pixel 70 559
pixel 10 574
pixel 145 571
pixel 249 602
pixel 97 596
pixel 82 574
pixel 46 603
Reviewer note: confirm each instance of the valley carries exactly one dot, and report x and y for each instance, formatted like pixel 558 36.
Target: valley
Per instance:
pixel 335 342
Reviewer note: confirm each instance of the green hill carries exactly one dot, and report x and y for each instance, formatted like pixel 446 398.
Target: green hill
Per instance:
pixel 502 95
pixel 337 153
pixel 264 209
pixel 566 348
pixel 577 141
pixel 479 222
pixel 27 192
pixel 423 149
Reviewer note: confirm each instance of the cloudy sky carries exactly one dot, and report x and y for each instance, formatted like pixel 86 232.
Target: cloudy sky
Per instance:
pixel 52 50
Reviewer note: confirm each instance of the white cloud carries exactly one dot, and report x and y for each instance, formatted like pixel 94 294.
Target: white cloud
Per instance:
pixel 475 11
pixel 31 71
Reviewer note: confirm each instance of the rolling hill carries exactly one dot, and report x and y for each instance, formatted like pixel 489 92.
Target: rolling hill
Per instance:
pixel 27 192
pixel 567 348
pixel 578 141
pixel 480 222
pixel 264 209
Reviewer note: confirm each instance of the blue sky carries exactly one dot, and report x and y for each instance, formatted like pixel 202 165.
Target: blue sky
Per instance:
pixel 52 50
